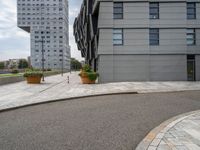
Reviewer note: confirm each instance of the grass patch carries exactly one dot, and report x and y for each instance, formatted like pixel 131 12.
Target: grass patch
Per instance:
pixel 11 75
pixel 46 73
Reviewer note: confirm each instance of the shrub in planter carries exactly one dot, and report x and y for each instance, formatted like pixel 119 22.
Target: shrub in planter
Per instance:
pixel 92 75
pixel 88 76
pixel 86 68
pixel 33 76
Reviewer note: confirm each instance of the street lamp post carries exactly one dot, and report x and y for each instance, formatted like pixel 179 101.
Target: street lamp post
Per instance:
pixel 62 63
pixel 42 41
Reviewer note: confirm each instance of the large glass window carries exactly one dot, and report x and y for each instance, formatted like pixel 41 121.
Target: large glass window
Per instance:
pixel 118 10
pixel 117 36
pixel 191 10
pixel 154 36
pixel 154 10
pixel 191 37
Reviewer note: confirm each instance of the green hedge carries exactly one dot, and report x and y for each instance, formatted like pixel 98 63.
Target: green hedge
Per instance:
pixel 33 74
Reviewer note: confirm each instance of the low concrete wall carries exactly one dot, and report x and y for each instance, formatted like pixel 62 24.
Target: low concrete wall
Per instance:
pixel 51 73
pixel 8 80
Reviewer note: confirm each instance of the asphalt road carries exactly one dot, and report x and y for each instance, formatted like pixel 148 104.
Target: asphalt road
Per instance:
pixel 117 122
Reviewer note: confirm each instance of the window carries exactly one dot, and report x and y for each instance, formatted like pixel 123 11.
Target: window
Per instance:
pixel 117 36
pixel 154 36
pixel 118 10
pixel 154 10
pixel 191 37
pixel 191 10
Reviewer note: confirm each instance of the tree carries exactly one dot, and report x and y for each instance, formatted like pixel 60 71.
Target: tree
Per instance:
pixel 75 64
pixel 13 65
pixel 2 65
pixel 23 63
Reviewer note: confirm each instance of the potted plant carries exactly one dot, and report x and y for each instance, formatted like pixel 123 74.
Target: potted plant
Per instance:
pixel 88 76
pixel 33 76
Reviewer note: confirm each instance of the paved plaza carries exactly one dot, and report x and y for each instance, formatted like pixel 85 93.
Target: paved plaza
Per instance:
pixel 57 87
pixel 143 111
pixel 114 122
pixel 179 133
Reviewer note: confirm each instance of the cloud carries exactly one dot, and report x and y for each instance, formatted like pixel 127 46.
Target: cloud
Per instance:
pixel 22 34
pixel 73 12
pixel 15 43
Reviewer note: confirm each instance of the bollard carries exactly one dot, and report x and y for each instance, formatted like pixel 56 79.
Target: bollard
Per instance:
pixel 68 79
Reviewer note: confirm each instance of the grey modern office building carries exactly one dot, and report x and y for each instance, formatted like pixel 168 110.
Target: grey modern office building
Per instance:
pixel 140 40
pixel 47 23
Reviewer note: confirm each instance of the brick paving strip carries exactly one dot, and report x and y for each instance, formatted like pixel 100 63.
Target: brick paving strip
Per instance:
pixel 56 88
pixel 179 133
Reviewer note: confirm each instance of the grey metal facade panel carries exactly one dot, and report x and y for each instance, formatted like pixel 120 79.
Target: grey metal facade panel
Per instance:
pixel 105 18
pixel 131 68
pixel 105 45
pixel 98 1
pixel 124 68
pixel 195 49
pixel 105 68
pixel 136 15
pixel 171 15
pixel 136 41
pixel 168 68
pixel 196 22
pixel 171 41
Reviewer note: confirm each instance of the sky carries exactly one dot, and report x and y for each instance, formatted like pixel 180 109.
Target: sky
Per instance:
pixel 15 43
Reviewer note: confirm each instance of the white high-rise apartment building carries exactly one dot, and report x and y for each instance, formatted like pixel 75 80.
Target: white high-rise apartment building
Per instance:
pixel 47 22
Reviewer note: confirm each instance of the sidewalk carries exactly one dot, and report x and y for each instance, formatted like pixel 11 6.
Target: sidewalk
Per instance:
pixel 57 87
pixel 179 133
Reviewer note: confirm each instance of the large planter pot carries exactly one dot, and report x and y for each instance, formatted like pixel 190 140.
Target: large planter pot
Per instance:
pixel 34 79
pixel 86 80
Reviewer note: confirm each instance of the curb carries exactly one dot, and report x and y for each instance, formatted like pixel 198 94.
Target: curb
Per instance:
pixel 158 133
pixel 64 99
pixel 84 96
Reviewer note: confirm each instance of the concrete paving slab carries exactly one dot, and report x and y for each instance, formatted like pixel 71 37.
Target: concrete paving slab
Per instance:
pixel 57 87
pixel 184 131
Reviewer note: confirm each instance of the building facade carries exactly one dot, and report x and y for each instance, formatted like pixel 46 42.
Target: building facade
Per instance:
pixel 12 63
pixel 140 40
pixel 47 22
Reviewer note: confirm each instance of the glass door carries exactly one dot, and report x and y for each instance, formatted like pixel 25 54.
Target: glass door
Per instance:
pixel 191 70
